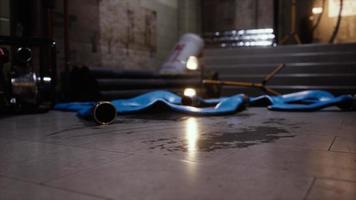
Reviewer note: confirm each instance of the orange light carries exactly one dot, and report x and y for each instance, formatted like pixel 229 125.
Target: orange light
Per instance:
pixel 189 92
pixel 192 63
pixel 317 10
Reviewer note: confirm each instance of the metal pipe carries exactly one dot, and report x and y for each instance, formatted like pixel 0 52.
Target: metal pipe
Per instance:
pixel 338 22
pixel 273 73
pixel 233 83
pixel 104 113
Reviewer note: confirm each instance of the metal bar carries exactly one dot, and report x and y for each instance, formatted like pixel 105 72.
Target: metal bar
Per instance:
pixel 233 83
pixel 273 73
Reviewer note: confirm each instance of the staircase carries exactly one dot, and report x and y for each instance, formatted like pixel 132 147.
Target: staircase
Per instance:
pixel 315 66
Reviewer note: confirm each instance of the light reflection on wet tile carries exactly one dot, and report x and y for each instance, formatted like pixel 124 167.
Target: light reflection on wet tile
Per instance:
pixel 167 155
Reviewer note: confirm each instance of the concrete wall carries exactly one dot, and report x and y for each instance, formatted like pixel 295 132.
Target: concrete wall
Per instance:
pixel 84 33
pixel 137 34
pixel 220 15
pixel 4 17
pixel 252 14
pixel 124 34
pixel 167 28
pixel 189 16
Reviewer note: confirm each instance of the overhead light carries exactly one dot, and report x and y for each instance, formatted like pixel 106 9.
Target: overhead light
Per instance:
pixel 47 79
pixel 192 63
pixel 317 10
pixel 189 92
pixel 259 31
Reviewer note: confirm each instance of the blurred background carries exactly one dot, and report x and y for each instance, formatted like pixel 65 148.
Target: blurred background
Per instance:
pixel 96 49
pixel 139 34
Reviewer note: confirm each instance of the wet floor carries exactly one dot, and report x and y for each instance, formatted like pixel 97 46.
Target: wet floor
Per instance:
pixel 222 140
pixel 255 154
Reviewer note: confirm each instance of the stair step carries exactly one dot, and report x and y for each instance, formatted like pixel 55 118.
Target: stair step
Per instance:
pixel 281 49
pixel 296 79
pixel 282 58
pixel 124 84
pixel 311 68
pixel 336 90
pixel 315 66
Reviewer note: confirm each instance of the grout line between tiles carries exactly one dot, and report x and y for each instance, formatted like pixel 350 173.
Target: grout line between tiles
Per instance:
pixel 336 179
pixel 64 145
pixel 309 189
pixel 332 143
pixel 85 169
pixel 352 153
pixel 52 187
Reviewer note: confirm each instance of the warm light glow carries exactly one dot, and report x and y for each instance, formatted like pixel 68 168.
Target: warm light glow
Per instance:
pixel 189 92
pixel 317 10
pixel 192 63
pixel 255 43
pixel 257 31
pixel 192 134
pixel 192 147
pixel 47 79
pixel 349 8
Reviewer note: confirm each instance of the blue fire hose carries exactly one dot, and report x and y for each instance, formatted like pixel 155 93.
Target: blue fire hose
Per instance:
pixel 309 100
pixel 105 112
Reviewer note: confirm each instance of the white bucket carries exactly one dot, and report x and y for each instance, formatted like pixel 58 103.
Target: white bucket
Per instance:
pixel 189 45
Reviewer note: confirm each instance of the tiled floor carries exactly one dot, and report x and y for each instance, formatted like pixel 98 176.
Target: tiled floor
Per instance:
pixel 255 154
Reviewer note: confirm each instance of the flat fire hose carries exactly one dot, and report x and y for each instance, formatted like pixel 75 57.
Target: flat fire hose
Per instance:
pixel 143 102
pixel 309 100
pixel 105 112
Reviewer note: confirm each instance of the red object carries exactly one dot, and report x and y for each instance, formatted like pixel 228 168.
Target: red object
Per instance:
pixel 4 55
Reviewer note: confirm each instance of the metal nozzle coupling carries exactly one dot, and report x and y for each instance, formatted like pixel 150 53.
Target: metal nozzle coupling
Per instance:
pixel 193 101
pixel 104 113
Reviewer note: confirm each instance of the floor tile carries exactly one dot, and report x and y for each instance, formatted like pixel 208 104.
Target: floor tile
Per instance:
pixel 17 190
pixel 344 144
pixel 254 154
pixel 15 150
pixel 155 177
pixel 325 189
pixel 4 182
pixel 41 162
pixel 324 164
